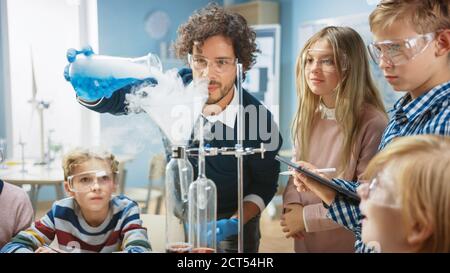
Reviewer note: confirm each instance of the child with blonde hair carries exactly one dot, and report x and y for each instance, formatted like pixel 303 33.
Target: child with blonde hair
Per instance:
pixel 91 219
pixel 339 123
pixel 406 207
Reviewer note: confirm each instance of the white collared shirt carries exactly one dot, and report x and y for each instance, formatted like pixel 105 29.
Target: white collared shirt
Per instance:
pixel 327 113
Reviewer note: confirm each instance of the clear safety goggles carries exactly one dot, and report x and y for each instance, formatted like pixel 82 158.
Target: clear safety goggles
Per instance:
pixel 221 65
pixel 398 52
pixel 85 182
pixel 380 193
pixel 325 63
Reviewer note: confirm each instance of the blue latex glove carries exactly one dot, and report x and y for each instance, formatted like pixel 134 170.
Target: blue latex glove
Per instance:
pixel 82 93
pixel 72 53
pixel 226 227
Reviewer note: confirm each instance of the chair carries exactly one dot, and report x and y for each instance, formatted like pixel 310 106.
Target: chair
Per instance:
pixel 157 172
pixel 151 192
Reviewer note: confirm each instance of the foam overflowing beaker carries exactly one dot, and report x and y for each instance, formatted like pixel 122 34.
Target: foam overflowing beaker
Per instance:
pixel 96 76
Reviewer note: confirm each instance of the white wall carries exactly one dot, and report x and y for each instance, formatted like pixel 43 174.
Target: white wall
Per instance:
pixel 47 28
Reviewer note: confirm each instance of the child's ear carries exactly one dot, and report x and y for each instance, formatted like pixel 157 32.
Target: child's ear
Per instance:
pixel 66 188
pixel 420 232
pixel 443 43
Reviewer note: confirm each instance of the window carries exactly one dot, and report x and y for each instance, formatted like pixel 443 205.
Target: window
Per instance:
pixel 38 34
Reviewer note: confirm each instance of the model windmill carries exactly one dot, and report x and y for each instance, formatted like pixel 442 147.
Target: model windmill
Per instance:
pixel 39 106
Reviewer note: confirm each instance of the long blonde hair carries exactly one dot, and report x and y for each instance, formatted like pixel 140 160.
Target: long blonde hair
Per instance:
pixel 422 179
pixel 355 89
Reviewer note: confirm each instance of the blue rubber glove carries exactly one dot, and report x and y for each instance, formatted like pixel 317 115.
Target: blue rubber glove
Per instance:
pixel 226 228
pixel 71 56
pixel 72 53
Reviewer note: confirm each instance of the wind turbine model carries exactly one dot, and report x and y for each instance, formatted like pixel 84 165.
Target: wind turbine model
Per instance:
pixel 40 106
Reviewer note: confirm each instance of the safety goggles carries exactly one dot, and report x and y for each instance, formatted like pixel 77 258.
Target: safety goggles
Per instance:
pixel 85 182
pixel 401 51
pixel 221 65
pixel 324 63
pixel 381 194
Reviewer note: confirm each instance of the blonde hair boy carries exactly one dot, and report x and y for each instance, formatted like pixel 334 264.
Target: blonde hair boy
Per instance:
pixel 91 219
pixel 412 43
pixel 79 156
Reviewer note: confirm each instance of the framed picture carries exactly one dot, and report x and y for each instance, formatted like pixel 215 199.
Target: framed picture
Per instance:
pixel 263 80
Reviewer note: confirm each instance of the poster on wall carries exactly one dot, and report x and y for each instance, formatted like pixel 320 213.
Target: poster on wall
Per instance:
pixel 360 23
pixel 262 81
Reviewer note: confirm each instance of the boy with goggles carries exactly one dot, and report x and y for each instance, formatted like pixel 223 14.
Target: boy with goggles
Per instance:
pixel 91 219
pixel 412 45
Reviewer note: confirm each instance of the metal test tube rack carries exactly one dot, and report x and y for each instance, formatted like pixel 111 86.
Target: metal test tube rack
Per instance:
pixel 239 152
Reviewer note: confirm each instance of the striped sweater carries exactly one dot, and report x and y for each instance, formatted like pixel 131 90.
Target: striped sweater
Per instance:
pixel 121 231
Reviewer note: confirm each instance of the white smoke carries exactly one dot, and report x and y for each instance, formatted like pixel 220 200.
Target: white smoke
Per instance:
pixel 130 135
pixel 172 105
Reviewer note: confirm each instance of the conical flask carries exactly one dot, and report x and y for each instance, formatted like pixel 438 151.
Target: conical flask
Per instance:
pixel 202 210
pixel 96 76
pixel 179 175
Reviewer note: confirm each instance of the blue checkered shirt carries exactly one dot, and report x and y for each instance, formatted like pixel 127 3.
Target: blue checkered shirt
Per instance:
pixel 428 114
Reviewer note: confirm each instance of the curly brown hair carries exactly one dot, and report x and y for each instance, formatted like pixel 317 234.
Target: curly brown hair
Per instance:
pixel 215 20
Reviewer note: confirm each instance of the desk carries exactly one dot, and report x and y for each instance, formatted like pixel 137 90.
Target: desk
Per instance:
pixel 36 176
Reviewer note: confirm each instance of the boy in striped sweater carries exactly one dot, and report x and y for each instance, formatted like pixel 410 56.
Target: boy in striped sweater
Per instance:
pixel 90 219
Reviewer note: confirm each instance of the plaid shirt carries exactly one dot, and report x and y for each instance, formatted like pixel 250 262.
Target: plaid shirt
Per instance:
pixel 428 114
